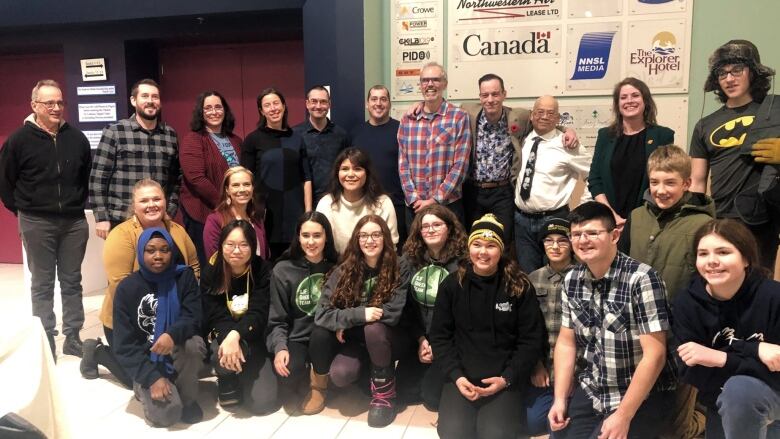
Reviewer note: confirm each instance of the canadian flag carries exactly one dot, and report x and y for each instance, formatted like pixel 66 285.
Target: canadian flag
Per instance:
pixel 540 35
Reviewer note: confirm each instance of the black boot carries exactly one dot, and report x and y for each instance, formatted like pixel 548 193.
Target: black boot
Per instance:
pixel 191 413
pixel 72 345
pixel 229 390
pixel 381 411
pixel 89 365
pixel 52 346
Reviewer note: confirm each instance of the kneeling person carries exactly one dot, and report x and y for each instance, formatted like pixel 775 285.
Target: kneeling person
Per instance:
pixel 156 319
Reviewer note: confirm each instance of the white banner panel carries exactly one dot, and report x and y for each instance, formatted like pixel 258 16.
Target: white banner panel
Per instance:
pixel 601 8
pixel 641 7
pixel 417 37
pixel 523 56
pixel 593 60
pixel 655 53
pixel 487 12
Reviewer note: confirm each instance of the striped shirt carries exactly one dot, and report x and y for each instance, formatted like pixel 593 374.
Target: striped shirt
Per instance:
pixel 128 153
pixel 433 154
pixel 608 315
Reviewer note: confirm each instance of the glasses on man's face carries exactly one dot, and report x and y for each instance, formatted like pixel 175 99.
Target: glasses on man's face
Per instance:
pixel 375 236
pixel 589 235
pixel 232 246
pixel 550 242
pixel 736 71
pixel 213 109
pixel 431 80
pixel 49 105
pixel 548 113
pixel 433 227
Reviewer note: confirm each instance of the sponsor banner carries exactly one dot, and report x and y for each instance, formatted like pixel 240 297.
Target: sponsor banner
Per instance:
pixel 505 44
pixel 415 11
pixel 601 8
pixel 641 7
pixel 655 53
pixel 482 12
pixel 593 60
pixel 416 39
pixel 586 119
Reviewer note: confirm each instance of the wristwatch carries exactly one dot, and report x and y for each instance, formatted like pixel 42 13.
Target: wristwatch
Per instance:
pixel 508 381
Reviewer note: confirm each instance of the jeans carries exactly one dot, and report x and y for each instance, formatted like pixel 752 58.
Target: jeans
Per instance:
pixel 537 404
pixel 747 408
pixel 55 244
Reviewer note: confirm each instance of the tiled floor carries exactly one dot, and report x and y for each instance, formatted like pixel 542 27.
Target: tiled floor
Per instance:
pixel 103 409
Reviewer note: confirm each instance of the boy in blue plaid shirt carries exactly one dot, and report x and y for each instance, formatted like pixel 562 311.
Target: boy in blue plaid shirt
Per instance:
pixel 614 312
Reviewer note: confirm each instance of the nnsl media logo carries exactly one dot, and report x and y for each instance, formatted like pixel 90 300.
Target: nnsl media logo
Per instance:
pixel 593 55
pixel 655 2
pixel 661 55
pixel 536 43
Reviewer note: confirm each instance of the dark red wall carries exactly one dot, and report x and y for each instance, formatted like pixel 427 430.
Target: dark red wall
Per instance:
pixel 239 72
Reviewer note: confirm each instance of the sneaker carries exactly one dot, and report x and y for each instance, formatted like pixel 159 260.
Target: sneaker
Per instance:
pixel 191 413
pixel 72 345
pixel 88 365
pixel 229 391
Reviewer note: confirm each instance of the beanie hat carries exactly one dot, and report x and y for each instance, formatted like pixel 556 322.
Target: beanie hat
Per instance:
pixel 488 228
pixel 735 52
pixel 553 226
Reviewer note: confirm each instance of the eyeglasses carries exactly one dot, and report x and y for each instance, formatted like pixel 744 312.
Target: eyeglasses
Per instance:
pixel 375 236
pixel 231 246
pixel 214 109
pixel 433 227
pixel 590 235
pixel 548 113
pixel 736 71
pixel 432 80
pixel 51 104
pixel 549 242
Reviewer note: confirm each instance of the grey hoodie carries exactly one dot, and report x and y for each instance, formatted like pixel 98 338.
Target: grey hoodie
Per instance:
pixel 332 318
pixel 295 291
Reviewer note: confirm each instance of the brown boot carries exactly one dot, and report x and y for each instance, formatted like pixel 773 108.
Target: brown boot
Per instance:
pixel 314 401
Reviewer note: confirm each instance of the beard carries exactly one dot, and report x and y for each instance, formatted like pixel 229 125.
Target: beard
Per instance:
pixel 148 117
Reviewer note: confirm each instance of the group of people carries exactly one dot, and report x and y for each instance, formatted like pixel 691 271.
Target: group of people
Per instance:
pixel 435 259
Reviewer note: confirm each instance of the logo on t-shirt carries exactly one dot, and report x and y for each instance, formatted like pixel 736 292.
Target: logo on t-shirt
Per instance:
pixel 425 284
pixel 731 133
pixel 368 289
pixel 308 293
pixel 147 315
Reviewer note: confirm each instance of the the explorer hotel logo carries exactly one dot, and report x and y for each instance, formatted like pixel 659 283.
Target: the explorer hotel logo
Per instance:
pixel 506 9
pixel 662 55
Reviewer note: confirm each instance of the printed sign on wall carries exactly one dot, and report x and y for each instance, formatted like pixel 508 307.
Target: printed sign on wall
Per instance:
pixel 481 12
pixel 593 61
pixel 641 7
pixel 655 53
pixel 601 8
pixel 417 38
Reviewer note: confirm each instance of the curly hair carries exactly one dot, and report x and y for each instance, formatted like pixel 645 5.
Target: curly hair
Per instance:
pixel 223 207
pixel 198 123
pixel 516 281
pixel 350 283
pixel 649 115
pixel 372 189
pixel 455 246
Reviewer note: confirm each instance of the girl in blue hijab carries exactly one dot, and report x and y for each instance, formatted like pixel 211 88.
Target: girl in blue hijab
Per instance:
pixel 157 312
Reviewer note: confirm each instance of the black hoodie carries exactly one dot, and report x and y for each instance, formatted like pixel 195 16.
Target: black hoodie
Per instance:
pixel 733 326
pixel 44 174
pixel 480 331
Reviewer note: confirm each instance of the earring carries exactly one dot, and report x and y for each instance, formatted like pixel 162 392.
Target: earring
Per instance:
pixel 228 201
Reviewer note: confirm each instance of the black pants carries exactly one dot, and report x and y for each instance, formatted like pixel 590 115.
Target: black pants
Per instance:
pixel 194 229
pixel 586 422
pixel 500 201
pixel 401 225
pixel 456 207
pixel 104 356
pixel 494 417
pixel 767 239
pixel 299 353
pixel 258 382
pixel 418 381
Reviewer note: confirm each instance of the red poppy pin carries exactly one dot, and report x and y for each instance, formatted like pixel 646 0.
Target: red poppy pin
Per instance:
pixel 514 128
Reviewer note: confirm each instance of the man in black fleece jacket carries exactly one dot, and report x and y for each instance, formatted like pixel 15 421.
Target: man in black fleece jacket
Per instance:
pixel 44 172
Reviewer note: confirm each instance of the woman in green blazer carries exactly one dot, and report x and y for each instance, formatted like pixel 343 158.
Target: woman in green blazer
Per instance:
pixel 618 172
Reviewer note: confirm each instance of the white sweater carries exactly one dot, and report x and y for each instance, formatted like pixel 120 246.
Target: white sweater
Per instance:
pixel 344 215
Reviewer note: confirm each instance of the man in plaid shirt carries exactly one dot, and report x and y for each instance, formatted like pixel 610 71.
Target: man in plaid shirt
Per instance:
pixel 433 148
pixel 614 312
pixel 139 147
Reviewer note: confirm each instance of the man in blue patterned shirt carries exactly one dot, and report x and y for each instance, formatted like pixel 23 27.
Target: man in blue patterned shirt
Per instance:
pixel 614 312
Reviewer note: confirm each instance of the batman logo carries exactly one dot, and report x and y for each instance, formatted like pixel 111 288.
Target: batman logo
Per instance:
pixel 731 133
